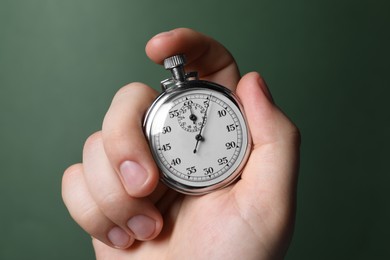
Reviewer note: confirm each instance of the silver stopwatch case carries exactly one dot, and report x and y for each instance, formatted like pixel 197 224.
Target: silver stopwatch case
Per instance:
pixel 197 132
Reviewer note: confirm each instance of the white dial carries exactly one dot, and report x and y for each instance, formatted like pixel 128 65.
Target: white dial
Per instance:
pixel 199 139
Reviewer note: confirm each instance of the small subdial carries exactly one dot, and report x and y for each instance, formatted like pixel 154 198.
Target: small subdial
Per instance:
pixel 191 117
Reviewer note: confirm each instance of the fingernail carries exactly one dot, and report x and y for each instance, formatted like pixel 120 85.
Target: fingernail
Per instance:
pixel 118 237
pixel 134 175
pixel 142 226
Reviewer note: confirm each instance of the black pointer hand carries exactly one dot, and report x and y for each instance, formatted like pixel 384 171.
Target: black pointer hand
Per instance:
pixel 193 117
pixel 199 136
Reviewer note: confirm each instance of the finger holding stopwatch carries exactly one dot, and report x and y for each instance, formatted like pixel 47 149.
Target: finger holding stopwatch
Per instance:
pixel 205 55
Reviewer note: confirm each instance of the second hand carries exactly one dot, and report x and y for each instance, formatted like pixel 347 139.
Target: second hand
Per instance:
pixel 199 136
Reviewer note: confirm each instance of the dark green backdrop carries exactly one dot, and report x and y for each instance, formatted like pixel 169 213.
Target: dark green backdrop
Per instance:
pixel 326 62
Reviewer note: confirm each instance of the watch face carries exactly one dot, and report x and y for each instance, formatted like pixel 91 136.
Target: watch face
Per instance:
pixel 198 137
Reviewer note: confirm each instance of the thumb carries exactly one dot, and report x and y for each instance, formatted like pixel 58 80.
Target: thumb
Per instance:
pixel 270 177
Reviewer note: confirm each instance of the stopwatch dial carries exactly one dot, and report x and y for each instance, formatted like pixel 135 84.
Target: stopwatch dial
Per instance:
pixel 214 126
pixel 190 116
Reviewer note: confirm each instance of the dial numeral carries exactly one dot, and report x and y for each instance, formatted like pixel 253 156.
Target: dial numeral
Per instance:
pixel 221 113
pixel 166 129
pixel 176 161
pixel 231 127
pixel 166 147
pixel 191 170
pixel 188 103
pixel 174 113
pixel 230 145
pixel 208 171
pixel 222 161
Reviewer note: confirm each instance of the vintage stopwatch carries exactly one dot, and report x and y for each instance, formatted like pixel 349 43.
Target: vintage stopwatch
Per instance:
pixel 197 132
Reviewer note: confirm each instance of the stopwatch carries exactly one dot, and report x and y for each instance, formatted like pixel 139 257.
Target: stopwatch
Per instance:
pixel 197 132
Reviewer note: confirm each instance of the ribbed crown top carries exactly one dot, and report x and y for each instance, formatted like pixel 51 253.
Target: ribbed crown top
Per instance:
pixel 174 61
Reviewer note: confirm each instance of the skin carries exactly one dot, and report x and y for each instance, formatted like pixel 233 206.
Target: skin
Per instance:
pixel 115 194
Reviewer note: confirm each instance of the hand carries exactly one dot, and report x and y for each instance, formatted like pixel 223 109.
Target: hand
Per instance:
pixel 116 197
pixel 199 136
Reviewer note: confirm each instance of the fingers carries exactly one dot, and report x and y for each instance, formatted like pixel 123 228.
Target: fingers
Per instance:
pixel 271 171
pixel 205 55
pixel 108 194
pixel 124 140
pixel 136 216
pixel 86 212
pixel 97 201
pixel 118 180
pixel 267 122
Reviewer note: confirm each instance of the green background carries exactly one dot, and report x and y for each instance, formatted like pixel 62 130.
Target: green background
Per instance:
pixel 327 65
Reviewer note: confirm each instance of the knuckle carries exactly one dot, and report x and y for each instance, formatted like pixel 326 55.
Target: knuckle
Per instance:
pixel 116 135
pixel 289 131
pixel 91 220
pixel 93 140
pixel 129 87
pixel 68 178
pixel 295 134
pixel 111 202
pixel 73 169
pixel 135 88
pixel 87 213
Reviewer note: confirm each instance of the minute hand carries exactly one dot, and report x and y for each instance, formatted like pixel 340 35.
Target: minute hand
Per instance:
pixel 199 136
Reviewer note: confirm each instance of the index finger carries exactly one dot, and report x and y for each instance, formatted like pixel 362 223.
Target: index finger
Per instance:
pixel 205 55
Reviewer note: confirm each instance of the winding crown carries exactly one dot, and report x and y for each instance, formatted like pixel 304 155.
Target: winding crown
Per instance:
pixel 174 61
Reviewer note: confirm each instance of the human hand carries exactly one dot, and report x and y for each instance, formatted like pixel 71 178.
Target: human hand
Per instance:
pixel 115 194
